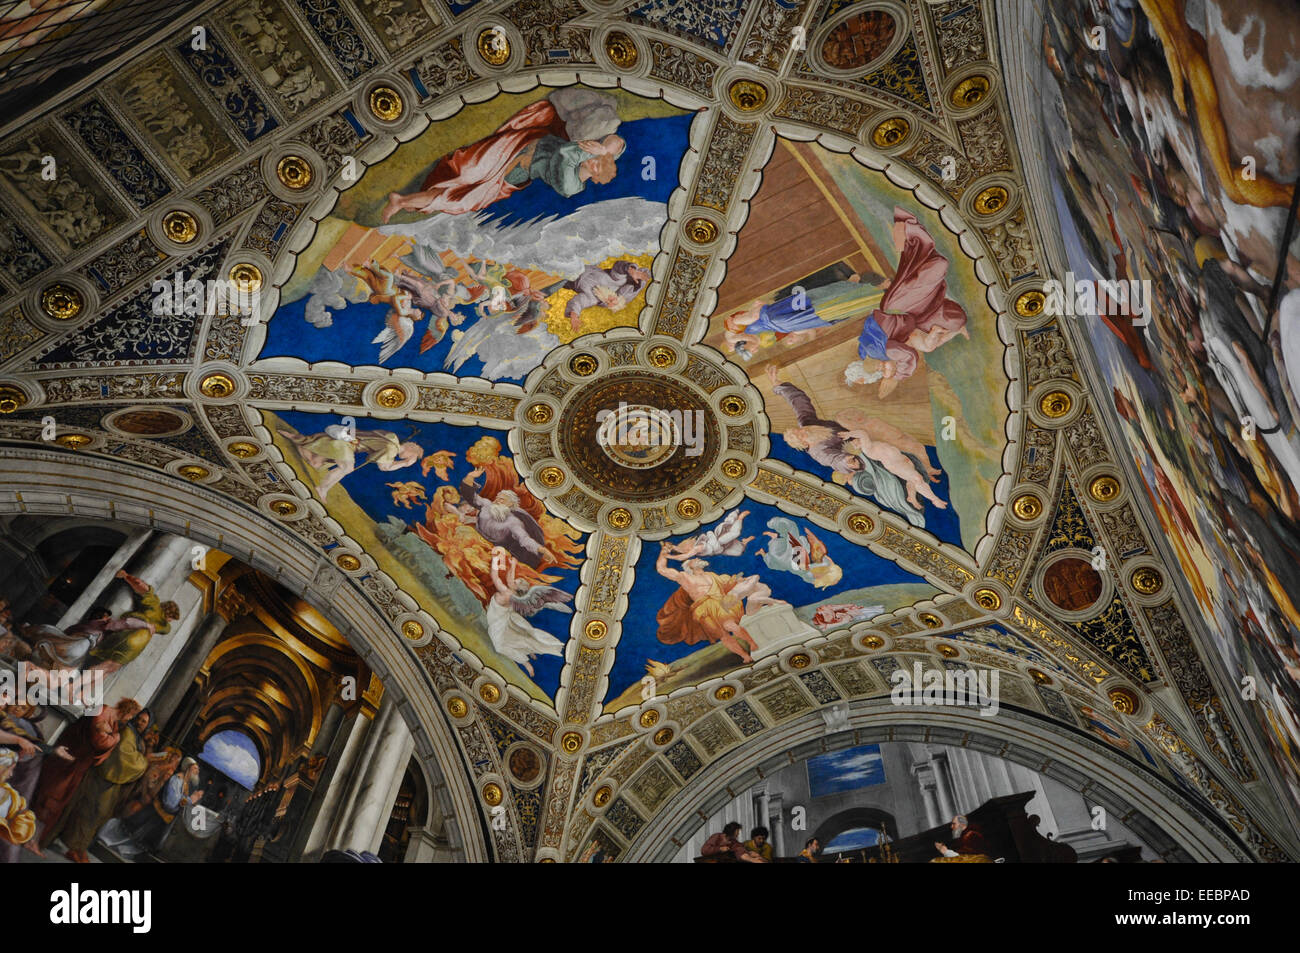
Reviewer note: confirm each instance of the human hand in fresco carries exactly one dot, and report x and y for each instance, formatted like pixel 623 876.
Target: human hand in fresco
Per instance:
pixel 772 374
pixel 62 753
pixel 135 582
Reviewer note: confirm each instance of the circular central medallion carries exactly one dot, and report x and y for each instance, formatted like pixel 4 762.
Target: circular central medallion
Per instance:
pixel 638 436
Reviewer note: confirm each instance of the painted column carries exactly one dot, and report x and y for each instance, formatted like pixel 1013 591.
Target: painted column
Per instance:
pixel 102 582
pixel 370 800
pixel 207 633
pixel 942 786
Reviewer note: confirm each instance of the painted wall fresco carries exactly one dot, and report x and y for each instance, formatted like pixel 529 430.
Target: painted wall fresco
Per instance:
pixel 877 354
pixel 495 236
pixel 714 600
pixel 443 512
pixel 1171 150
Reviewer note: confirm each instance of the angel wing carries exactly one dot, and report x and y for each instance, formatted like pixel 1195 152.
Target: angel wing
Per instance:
pixel 816 548
pixel 541 597
pixel 392 337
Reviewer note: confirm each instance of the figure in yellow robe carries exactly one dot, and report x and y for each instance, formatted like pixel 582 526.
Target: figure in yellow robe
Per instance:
pixel 121 647
pixel 17 822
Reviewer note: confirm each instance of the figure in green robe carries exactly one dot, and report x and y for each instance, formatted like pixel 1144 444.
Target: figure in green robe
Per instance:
pixel 125 645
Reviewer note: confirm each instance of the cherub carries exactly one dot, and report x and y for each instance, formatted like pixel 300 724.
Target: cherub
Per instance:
pixel 440 462
pixel 407 492
pixel 723 540
pixel 402 315
pixel 512 605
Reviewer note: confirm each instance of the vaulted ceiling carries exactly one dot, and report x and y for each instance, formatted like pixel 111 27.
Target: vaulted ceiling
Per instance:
pixel 1031 504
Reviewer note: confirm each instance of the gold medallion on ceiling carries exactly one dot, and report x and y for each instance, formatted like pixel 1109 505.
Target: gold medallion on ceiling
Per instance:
pixel 747 95
pixel 489 693
pixel 1055 404
pixel 1104 488
pixel 457 707
pixel 872 642
pixel 661 355
pixel 988 600
pixel 1027 507
pixel 701 230
pixel 725 693
pixel 550 476
pixel 348 562
pixel 243 449
pixel 688 509
pixel 11 398
pixel 970 92
pixel 947 651
pixel 247 277
pixel 621 50
pixel 194 472
pixel 180 227
pixel 412 630
pixel 75 441
pixel 1039 677
pixel 284 507
pixel 570 742
pixel 620 517
pixel 584 365
pixel 493 794
pixel 385 103
pixel 217 386
pixel 890 132
pixel 539 414
pixel 494 46
pixel 604 794
pixel 595 630
pixel 62 302
pixel 800 660
pixel 1030 304
pixel 390 396
pixel 992 200
pixel 861 523
pixel 733 469
pixel 1146 581
pixel 649 718
pixel 663 736
pixel 294 172
pixel 930 620
pixel 1123 700
pixel 733 406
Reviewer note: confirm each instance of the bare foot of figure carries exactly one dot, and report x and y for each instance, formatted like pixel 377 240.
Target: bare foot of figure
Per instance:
pixel 392 208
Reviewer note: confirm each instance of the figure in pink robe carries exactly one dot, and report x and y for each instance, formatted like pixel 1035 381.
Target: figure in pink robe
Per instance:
pixel 916 315
pixel 532 144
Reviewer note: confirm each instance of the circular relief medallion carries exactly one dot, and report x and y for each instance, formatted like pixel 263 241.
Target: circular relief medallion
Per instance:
pixel 149 422
pixel 1072 584
pixel 525 764
pixel 859 40
pixel 638 436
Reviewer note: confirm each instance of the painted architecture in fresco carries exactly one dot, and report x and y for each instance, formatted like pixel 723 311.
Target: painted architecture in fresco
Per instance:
pixel 493 238
pixel 634 395
pixel 1168 165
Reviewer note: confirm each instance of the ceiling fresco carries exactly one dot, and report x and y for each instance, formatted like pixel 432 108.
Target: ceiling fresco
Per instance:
pixel 645 380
